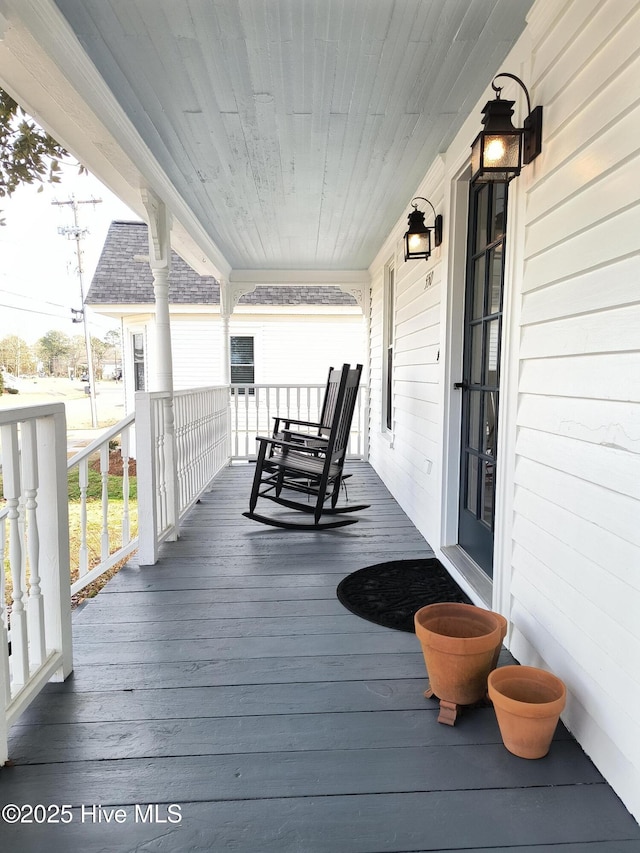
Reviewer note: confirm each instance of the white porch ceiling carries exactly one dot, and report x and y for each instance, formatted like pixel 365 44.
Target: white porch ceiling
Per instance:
pixel 296 131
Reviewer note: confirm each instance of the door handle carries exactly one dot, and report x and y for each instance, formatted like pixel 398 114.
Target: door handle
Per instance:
pixel 461 386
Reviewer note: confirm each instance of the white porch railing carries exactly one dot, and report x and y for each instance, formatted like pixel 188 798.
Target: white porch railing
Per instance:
pixel 254 406
pixel 110 535
pixel 199 444
pixel 34 523
pixel 179 449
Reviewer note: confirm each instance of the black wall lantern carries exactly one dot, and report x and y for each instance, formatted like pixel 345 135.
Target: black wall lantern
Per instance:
pixel 500 150
pixel 417 240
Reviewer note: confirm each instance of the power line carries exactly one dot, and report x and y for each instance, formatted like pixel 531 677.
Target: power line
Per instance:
pixel 32 299
pixel 34 311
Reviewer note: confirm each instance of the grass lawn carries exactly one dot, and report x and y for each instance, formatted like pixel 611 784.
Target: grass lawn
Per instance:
pixel 94 526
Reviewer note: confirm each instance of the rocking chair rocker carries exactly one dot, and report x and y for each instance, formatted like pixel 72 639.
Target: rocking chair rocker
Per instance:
pixel 307 464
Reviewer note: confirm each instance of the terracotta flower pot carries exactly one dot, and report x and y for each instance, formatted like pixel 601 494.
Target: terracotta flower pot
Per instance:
pixel 528 703
pixel 459 643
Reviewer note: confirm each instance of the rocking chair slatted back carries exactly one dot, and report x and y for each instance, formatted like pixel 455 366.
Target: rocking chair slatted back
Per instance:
pixel 313 429
pixel 330 401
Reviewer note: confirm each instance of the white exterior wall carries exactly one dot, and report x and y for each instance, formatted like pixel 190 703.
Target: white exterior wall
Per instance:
pixel 408 457
pixel 298 348
pixel 567 568
pixel 289 348
pixel 195 343
pixel 575 580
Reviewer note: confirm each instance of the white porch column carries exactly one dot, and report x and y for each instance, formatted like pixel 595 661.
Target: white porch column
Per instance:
pixel 226 309
pixel 362 294
pixel 159 222
pixel 229 297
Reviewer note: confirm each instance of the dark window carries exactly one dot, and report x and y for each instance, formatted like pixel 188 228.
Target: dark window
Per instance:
pixel 390 336
pixel 138 361
pixel 242 362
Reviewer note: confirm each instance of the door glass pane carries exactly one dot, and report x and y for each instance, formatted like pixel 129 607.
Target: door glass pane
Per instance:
pixel 498 218
pixel 491 352
pixel 477 305
pixel 472 484
pixel 495 279
pixel 476 354
pixel 489 424
pixel 482 216
pixel 487 493
pixel 473 436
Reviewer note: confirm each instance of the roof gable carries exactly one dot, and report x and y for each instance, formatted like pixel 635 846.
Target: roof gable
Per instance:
pixel 123 277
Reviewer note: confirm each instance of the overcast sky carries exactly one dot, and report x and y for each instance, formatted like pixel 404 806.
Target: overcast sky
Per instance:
pixel 39 281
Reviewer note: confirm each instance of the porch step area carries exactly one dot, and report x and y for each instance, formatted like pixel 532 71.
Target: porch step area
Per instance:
pixel 229 681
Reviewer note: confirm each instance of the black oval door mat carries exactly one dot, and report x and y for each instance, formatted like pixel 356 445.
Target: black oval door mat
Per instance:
pixel 390 593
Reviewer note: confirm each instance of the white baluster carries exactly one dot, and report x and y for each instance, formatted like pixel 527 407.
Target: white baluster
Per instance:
pixel 35 604
pixel 126 518
pixel 161 463
pixel 5 673
pixel 104 475
pixel 83 480
pixel 12 491
pixel 247 423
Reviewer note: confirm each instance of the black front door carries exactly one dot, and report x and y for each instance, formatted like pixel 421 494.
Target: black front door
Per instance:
pixel 481 378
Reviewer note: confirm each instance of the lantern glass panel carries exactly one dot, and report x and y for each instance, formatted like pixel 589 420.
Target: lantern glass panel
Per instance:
pixel 418 244
pixel 502 151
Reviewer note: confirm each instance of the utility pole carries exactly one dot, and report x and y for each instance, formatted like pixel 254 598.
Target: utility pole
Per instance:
pixel 74 232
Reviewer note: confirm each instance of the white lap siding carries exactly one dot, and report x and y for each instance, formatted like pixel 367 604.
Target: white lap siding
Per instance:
pixel 575 581
pixel 567 569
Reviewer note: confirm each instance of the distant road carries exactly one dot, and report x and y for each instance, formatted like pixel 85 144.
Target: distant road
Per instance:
pixel 109 404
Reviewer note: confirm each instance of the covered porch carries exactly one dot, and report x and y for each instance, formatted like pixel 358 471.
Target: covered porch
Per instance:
pixel 284 143
pixel 227 680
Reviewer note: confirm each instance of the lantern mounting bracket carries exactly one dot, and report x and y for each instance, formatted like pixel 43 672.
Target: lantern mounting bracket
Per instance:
pixel 532 125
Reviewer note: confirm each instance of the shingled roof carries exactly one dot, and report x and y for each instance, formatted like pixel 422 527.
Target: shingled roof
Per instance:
pixel 123 278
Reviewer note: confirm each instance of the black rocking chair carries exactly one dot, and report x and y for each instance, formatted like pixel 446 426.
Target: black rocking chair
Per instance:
pixel 309 465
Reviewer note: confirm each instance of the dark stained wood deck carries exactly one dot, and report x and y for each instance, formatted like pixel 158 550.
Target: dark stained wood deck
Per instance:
pixel 230 681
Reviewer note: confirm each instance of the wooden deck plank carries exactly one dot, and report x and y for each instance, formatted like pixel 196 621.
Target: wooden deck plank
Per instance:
pixel 207 629
pixel 209 673
pixel 242 647
pixel 245 699
pixel 274 733
pixel 371 823
pixel 229 679
pixel 217 609
pixel 302 774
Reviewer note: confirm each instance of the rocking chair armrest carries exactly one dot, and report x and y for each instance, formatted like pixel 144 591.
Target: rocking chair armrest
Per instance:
pixel 291 445
pixel 305 436
pixel 278 418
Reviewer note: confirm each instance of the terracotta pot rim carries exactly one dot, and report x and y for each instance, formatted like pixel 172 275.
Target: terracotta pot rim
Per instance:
pixel 459 645
pixel 504 674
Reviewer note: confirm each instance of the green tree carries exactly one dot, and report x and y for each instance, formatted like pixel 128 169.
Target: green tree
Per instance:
pixel 28 154
pixel 99 351
pixel 77 355
pixel 16 355
pixel 53 349
pixel 112 340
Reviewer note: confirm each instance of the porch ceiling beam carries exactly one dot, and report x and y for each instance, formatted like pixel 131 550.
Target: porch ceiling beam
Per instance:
pixel 45 68
pixel 356 283
pixel 300 278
